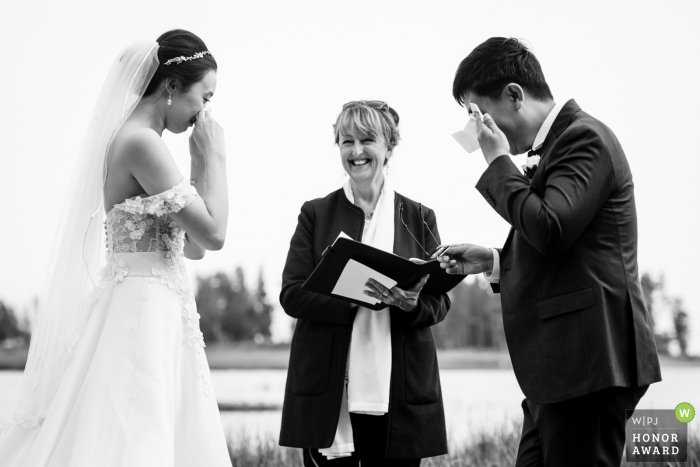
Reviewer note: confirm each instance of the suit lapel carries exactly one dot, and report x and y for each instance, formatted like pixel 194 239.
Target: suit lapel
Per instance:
pixel 560 124
pixel 352 224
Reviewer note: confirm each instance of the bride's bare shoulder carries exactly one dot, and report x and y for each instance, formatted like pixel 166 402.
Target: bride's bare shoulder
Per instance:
pixel 139 161
pixel 134 142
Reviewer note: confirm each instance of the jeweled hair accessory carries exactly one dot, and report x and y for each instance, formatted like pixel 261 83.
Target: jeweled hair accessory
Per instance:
pixel 181 59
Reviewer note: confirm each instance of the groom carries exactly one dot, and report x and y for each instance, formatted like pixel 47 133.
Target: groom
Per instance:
pixel 578 331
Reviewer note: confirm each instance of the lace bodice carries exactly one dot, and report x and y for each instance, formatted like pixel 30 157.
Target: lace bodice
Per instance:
pixel 139 225
pixel 142 224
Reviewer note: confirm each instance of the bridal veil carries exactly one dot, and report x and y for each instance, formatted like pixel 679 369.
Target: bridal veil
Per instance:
pixel 76 257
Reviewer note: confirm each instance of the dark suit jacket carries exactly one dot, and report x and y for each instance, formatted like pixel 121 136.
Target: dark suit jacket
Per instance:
pixel 322 337
pixel 573 310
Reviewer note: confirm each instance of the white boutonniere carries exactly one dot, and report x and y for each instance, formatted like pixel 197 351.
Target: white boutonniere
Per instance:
pixel 531 166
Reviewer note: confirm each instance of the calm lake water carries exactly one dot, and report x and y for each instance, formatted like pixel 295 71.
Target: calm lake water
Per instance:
pixel 475 400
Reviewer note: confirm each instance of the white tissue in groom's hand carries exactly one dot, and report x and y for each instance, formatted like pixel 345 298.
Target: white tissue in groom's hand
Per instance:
pixel 467 137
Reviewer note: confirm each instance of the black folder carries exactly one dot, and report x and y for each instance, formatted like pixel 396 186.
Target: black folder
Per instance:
pixel 405 272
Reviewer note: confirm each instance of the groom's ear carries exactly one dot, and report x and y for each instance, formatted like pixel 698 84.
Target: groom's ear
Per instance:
pixel 515 95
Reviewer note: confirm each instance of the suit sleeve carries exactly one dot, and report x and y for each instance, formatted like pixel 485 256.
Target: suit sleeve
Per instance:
pixel 303 304
pixel 431 309
pixel 579 179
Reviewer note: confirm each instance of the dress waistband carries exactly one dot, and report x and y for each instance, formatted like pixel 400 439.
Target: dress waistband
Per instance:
pixel 142 263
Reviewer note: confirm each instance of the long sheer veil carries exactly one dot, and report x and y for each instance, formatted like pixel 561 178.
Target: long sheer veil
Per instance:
pixel 75 260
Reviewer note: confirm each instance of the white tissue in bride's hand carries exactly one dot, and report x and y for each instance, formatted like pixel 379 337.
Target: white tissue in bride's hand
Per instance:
pixel 467 137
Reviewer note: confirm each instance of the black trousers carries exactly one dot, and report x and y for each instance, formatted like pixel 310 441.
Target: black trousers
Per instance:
pixel 585 431
pixel 369 434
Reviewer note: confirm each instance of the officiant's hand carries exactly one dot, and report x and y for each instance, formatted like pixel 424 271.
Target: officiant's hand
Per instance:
pixel 467 259
pixel 407 299
pixel 492 140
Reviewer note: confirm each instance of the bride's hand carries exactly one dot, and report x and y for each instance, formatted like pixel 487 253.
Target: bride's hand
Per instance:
pixel 208 136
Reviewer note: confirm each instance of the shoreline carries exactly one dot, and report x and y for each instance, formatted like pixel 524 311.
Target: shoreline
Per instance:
pixel 251 357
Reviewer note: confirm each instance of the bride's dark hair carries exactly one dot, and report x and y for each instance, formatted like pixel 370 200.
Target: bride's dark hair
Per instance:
pixel 180 43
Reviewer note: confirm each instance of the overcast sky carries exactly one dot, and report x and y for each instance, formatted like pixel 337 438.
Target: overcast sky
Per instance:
pixel 286 68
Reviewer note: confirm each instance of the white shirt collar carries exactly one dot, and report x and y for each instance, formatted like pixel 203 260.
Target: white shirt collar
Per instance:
pixel 547 125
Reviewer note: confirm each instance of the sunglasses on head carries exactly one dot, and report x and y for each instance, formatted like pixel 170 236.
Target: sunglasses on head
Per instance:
pixel 379 105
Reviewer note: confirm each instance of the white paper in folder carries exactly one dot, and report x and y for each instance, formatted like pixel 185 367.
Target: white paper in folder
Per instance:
pixel 352 281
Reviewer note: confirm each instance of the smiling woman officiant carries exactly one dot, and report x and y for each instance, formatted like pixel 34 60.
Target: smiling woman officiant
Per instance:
pixel 363 385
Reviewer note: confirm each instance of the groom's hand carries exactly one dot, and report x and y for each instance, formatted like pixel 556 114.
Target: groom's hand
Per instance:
pixel 467 259
pixel 492 140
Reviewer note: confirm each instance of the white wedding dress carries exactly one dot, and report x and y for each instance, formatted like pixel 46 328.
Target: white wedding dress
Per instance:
pixel 137 390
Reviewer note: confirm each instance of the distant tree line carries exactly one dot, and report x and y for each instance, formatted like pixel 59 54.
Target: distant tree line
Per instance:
pixel 13 333
pixel 474 319
pixel 657 299
pixel 232 313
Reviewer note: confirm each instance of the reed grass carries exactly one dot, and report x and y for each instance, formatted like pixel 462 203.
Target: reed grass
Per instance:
pixel 496 448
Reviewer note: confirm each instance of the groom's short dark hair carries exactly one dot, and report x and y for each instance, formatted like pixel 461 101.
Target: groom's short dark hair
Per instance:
pixel 494 64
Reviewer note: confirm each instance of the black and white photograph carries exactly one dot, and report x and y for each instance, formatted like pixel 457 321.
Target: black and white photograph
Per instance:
pixel 350 234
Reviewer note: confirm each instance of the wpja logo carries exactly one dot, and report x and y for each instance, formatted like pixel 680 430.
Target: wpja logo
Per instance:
pixel 658 435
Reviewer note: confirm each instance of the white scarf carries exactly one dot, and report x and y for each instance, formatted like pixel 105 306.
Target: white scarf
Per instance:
pixel 369 361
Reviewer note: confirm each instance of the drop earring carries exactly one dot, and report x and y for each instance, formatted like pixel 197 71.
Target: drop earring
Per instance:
pixel 170 98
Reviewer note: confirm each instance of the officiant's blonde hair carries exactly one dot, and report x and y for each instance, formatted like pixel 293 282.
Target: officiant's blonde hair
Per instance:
pixel 366 119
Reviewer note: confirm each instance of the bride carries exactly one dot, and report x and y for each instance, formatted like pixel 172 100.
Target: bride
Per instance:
pixel 120 378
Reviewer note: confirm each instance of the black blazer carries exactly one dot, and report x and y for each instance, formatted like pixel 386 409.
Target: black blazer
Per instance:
pixel 573 310
pixel 322 337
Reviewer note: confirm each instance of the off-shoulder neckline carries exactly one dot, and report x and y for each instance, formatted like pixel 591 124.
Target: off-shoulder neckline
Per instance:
pixel 147 197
